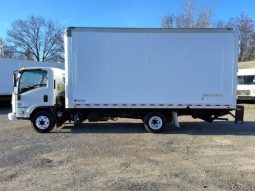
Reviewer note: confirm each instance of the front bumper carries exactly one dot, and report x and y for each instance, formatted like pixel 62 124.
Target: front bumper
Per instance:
pixel 12 116
pixel 246 98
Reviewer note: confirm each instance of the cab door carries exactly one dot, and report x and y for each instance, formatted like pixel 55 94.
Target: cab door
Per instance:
pixel 35 89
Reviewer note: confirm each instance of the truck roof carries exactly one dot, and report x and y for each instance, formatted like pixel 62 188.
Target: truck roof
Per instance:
pixel 69 30
pixel 39 68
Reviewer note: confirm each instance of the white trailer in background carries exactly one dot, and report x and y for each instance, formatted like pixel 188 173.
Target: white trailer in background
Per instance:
pixel 246 84
pixel 8 66
pixel 149 74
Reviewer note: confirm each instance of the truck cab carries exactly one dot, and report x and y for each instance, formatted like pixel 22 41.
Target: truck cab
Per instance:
pixel 36 93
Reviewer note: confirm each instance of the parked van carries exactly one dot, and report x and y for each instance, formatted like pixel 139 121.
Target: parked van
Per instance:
pixel 246 84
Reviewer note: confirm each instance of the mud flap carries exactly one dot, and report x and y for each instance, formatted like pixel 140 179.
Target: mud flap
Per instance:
pixel 175 119
pixel 239 115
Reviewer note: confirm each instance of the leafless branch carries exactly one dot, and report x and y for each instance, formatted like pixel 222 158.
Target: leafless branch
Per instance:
pixel 37 38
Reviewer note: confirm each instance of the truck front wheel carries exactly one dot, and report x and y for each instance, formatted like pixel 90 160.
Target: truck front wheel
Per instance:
pixel 154 122
pixel 42 122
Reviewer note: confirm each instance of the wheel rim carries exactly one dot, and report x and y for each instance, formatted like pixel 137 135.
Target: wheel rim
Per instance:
pixel 155 122
pixel 42 122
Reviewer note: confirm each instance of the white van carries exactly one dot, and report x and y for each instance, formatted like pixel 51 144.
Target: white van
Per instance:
pixel 246 84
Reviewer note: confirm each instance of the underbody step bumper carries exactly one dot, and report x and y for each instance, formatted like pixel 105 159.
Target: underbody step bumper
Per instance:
pixel 246 98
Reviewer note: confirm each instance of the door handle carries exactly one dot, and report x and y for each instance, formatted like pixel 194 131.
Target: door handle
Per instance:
pixel 45 98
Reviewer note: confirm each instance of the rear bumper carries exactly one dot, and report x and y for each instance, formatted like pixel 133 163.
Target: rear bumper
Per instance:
pixel 246 98
pixel 12 116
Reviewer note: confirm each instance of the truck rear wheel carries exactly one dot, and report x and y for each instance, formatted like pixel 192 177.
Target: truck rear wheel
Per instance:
pixel 42 122
pixel 154 122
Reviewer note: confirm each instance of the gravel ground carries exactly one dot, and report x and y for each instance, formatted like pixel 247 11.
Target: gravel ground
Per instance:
pixel 122 156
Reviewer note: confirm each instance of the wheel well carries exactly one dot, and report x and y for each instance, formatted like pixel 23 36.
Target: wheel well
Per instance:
pixel 166 113
pixel 48 109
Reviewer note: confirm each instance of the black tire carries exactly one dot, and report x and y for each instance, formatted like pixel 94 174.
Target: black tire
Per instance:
pixel 154 122
pixel 43 122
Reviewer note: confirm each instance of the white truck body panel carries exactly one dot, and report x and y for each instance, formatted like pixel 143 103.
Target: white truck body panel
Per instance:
pixel 8 66
pixel 151 68
pixel 246 85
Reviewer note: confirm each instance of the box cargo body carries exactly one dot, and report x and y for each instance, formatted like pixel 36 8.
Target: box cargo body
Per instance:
pixel 150 68
pixel 8 66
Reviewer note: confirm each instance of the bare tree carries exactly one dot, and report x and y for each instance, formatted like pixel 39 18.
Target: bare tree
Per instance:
pixel 220 24
pixel 167 21
pixel 251 50
pixel 37 38
pixel 245 25
pixel 231 23
pixel 191 16
pixel 187 18
pixel 204 18
pixel 1 48
pixel 9 52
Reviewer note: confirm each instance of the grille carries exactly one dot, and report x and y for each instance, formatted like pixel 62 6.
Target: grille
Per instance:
pixel 243 92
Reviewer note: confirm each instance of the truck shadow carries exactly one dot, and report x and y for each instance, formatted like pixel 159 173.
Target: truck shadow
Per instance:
pixel 190 128
pixel 116 127
pixel 215 128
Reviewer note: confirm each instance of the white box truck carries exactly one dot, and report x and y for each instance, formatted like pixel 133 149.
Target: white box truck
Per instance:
pixel 246 84
pixel 8 66
pixel 149 74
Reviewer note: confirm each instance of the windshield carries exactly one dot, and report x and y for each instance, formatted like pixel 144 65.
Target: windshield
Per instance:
pixel 32 79
pixel 247 80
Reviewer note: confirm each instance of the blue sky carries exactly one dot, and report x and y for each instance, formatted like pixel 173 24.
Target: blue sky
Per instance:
pixel 111 13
